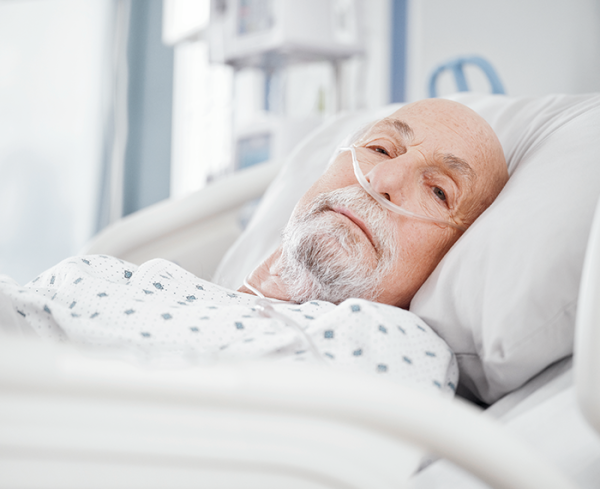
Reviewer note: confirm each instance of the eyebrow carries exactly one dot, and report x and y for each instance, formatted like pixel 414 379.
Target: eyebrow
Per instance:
pixel 397 126
pixel 458 165
pixel 452 162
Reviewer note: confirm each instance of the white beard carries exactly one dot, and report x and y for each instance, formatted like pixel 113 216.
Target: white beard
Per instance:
pixel 326 259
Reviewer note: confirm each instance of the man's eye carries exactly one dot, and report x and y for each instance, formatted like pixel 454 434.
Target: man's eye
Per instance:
pixel 379 149
pixel 439 193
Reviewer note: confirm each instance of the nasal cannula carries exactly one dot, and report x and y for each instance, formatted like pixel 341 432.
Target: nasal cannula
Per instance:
pixel 386 204
pixel 266 309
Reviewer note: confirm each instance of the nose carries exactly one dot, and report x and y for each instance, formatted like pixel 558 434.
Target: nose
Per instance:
pixel 392 178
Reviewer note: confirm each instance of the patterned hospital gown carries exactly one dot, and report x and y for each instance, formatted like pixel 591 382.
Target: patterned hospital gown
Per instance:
pixel 161 314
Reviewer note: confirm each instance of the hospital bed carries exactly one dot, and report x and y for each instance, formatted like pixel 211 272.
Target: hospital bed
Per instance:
pixel 506 299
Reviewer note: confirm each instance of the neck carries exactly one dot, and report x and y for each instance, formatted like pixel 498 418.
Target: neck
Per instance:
pixel 266 280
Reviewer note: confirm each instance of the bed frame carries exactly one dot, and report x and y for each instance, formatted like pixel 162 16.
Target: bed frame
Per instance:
pixel 70 420
pixel 195 231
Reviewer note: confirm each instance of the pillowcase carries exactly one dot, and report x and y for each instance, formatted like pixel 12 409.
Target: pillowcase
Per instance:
pixel 504 297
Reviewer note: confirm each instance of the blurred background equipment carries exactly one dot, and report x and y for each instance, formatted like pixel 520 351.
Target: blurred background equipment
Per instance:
pixel 274 72
pixel 273 45
pixel 457 67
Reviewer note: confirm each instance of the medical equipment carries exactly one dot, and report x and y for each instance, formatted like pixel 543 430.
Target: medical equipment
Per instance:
pixel 263 32
pixel 456 67
pixel 385 203
pixel 265 42
pixel 269 137
pixel 266 309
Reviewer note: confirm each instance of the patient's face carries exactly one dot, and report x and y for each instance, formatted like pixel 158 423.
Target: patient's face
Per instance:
pixel 431 157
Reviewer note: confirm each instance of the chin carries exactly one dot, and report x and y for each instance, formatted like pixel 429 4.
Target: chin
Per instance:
pixel 322 267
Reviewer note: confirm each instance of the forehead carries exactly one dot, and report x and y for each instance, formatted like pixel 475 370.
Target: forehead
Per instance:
pixel 395 127
pixel 443 154
pixel 428 126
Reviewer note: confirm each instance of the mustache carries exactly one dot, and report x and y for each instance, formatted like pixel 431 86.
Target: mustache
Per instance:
pixel 367 209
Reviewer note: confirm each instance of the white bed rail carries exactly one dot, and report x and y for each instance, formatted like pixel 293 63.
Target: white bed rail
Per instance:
pixel 450 428
pixel 587 331
pixel 207 220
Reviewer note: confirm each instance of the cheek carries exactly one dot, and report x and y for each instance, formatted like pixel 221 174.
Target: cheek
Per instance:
pixel 426 245
pixel 421 249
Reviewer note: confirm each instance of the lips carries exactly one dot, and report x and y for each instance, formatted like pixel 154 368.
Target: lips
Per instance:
pixel 357 221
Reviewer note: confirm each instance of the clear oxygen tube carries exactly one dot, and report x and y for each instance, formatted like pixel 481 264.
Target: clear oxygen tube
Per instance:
pixel 386 204
pixel 266 309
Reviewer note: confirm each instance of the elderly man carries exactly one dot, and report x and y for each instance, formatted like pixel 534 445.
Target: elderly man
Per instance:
pixel 434 157
pixel 437 160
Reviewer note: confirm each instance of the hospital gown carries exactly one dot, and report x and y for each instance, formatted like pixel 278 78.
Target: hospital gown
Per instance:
pixel 158 313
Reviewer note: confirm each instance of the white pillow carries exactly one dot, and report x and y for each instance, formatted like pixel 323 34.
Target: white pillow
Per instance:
pixel 504 297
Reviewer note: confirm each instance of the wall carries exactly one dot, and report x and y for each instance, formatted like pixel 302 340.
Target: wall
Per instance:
pixel 537 46
pixel 150 94
pixel 52 68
